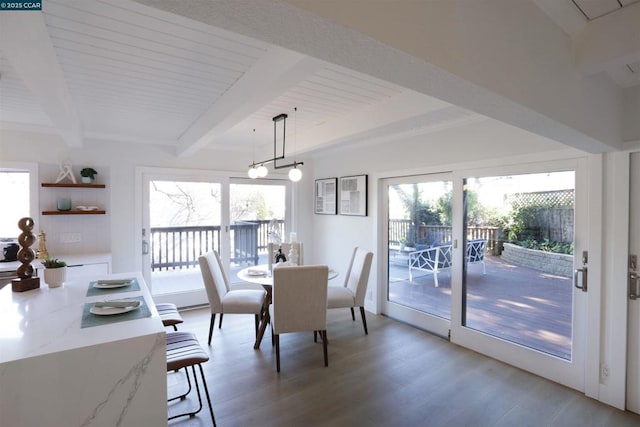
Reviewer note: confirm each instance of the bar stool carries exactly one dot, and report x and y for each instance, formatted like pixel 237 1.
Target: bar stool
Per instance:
pixel 183 350
pixel 169 314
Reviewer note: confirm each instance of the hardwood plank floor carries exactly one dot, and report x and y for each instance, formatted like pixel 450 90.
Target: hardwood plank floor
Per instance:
pixel 395 376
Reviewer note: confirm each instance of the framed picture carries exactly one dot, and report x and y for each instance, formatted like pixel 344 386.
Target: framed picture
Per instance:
pixel 353 195
pixel 326 196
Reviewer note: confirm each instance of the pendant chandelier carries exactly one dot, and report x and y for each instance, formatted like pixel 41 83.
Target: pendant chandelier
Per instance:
pixel 259 170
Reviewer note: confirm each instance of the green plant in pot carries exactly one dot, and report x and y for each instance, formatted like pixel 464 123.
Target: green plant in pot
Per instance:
pixel 88 175
pixel 55 272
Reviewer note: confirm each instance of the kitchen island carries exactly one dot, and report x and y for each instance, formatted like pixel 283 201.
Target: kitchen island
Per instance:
pixel 63 366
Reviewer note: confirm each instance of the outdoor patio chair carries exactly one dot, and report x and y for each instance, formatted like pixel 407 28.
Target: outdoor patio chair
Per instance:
pixel 475 252
pixel 354 289
pixel 299 304
pixel 222 299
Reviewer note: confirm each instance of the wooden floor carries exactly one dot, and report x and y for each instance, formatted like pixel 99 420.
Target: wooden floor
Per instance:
pixel 395 376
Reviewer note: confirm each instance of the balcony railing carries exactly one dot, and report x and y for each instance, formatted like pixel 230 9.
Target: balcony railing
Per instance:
pixel 179 247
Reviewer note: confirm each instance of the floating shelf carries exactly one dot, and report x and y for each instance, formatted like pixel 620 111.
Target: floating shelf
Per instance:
pixel 74 212
pixel 63 185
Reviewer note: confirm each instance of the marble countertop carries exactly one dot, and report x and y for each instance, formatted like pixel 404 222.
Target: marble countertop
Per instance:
pixel 47 320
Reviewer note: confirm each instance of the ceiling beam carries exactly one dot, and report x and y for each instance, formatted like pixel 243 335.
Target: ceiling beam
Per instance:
pixel 25 42
pixel 269 77
pixel 504 60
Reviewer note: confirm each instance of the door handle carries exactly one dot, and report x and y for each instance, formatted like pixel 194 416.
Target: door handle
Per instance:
pixel 633 285
pixel 583 285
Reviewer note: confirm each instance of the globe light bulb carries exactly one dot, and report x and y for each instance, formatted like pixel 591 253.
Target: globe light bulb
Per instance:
pixel 295 174
pixel 262 171
pixel 253 172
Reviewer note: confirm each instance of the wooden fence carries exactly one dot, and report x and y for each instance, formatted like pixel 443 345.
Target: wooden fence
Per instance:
pixel 401 229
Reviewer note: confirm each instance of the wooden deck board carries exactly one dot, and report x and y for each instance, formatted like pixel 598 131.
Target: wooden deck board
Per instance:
pixel 514 303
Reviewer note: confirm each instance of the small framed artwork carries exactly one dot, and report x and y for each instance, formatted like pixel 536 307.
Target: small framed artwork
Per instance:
pixel 353 195
pixel 326 196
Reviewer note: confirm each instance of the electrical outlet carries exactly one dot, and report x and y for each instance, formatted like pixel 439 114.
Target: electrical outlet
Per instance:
pixel 70 237
pixel 604 372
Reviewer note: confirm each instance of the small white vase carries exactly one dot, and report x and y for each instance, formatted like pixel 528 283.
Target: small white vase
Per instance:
pixel 55 277
pixel 86 180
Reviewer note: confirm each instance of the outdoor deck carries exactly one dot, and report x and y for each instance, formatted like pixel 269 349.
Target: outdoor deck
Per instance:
pixel 518 304
pixel 514 303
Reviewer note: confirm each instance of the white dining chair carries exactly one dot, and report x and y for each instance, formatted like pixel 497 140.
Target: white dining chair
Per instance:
pixel 299 304
pixel 352 293
pixel 223 299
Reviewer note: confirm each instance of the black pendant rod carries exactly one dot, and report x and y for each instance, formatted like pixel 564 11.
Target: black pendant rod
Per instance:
pixel 275 158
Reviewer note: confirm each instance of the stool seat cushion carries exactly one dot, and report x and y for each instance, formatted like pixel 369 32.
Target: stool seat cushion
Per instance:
pixel 169 314
pixel 183 350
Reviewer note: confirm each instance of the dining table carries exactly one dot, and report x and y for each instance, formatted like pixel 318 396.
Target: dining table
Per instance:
pixel 70 357
pixel 261 274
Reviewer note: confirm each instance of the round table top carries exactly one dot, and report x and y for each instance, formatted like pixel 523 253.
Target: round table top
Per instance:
pixel 260 274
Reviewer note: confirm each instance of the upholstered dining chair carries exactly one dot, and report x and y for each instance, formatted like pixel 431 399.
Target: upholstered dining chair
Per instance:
pixel 354 289
pixel 299 304
pixel 286 248
pixel 223 299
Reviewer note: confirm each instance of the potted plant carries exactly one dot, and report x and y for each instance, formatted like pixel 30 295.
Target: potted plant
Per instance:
pixel 88 175
pixel 403 243
pixel 55 272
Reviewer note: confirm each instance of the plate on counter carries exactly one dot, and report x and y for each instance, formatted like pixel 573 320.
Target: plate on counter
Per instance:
pixel 112 283
pixel 108 311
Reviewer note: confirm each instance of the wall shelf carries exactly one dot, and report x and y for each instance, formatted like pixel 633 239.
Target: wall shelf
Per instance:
pixel 74 212
pixel 64 185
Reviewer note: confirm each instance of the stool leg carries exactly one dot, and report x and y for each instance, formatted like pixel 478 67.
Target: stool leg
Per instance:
pixel 206 391
pixel 220 321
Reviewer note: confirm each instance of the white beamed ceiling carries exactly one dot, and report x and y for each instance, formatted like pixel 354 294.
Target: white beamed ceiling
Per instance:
pixel 119 70
pixel 140 75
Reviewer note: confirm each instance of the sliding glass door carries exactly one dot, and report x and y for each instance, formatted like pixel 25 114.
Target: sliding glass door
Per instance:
pixel 183 218
pixel 187 213
pixel 487 257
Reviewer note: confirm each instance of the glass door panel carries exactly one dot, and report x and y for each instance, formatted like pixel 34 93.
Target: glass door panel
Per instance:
pixel 420 249
pixel 257 209
pixel 517 277
pixel 184 222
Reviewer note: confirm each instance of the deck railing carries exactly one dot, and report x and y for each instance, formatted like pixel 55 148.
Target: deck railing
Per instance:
pixel 179 247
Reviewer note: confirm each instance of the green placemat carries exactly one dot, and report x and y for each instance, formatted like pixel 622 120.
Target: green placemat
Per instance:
pixel 89 319
pixel 92 292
